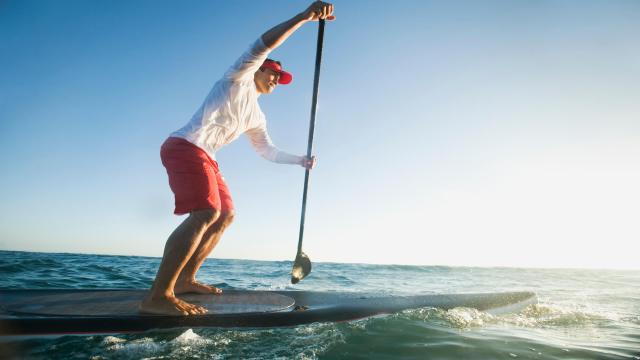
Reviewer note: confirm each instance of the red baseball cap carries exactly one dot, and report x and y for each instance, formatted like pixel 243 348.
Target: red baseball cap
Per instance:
pixel 285 77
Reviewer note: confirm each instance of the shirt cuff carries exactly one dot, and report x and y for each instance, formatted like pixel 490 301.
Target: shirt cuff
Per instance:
pixel 286 158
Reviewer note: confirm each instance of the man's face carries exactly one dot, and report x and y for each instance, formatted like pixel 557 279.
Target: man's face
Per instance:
pixel 266 80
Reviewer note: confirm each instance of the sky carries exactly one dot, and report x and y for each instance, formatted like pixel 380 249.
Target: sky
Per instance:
pixel 462 133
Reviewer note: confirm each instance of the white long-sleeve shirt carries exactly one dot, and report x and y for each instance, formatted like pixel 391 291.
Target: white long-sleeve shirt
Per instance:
pixel 231 109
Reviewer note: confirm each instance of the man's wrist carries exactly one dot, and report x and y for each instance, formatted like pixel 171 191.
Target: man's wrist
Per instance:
pixel 300 18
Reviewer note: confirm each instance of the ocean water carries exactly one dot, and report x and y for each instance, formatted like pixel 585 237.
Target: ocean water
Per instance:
pixel 581 314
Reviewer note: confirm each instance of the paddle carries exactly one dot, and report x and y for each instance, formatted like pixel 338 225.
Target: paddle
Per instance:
pixel 302 264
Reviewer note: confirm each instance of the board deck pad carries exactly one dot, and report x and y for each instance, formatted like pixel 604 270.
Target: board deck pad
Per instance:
pixel 125 303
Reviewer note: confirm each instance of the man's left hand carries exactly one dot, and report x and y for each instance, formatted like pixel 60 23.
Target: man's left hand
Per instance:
pixel 308 162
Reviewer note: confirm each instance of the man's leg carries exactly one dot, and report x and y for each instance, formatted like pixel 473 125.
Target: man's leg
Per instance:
pixel 187 280
pixel 180 247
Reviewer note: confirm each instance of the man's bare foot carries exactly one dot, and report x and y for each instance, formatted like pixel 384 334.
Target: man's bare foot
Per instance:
pixel 183 287
pixel 169 305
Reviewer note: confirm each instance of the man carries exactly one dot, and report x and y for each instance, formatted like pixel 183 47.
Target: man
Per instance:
pixel 230 109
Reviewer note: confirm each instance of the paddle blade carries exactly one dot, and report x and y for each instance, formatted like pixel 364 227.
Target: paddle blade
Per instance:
pixel 301 268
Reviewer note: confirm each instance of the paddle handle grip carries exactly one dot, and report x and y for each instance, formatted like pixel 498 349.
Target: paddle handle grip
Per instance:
pixel 312 125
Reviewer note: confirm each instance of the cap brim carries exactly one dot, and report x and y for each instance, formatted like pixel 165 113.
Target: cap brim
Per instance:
pixel 285 77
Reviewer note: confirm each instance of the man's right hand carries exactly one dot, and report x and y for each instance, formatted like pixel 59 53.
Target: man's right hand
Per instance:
pixel 319 10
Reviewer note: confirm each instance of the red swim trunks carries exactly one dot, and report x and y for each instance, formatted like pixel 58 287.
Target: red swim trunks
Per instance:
pixel 194 178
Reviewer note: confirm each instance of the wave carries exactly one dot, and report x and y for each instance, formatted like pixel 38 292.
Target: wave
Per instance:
pixel 535 315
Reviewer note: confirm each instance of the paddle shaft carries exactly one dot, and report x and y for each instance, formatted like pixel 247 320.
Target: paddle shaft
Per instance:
pixel 312 125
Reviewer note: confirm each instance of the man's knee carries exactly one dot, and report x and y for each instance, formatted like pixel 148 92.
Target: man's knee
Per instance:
pixel 206 217
pixel 226 217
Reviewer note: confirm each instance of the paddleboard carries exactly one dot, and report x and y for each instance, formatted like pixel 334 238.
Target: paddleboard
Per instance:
pixel 71 311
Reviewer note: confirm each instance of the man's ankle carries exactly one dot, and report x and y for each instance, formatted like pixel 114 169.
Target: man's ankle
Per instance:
pixel 186 280
pixel 162 294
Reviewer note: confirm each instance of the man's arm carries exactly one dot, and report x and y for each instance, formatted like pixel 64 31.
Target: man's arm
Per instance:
pixel 252 59
pixel 279 33
pixel 261 142
pixel 263 145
